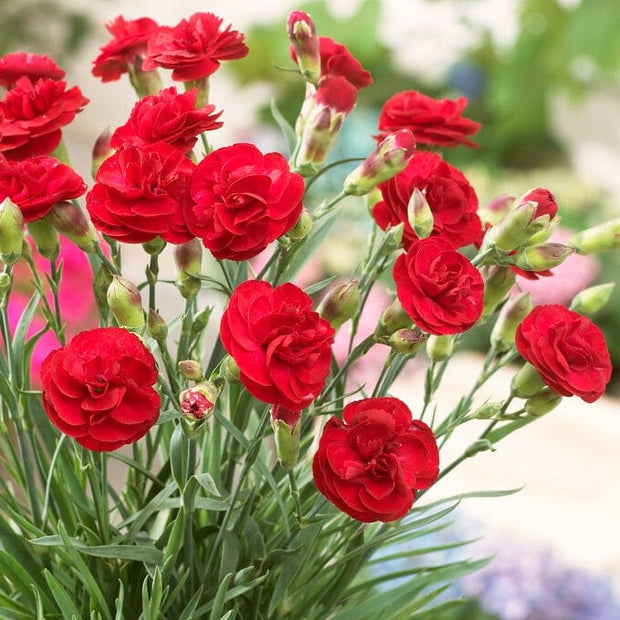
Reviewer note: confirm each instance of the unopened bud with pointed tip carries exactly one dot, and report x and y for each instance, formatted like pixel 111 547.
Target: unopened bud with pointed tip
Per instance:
pixel 511 231
pixel 340 303
pixel 407 341
pixel 45 237
pixel 439 348
pixel 390 157
pixel 510 316
pixel 200 320
pixel 156 326
pixel 393 239
pixel 188 263
pixel 392 319
pixel 101 150
pixel 5 284
pixel 302 227
pixel 592 299
pixel 543 402
pixel 305 44
pixel 71 222
pixel 230 370
pixel 125 303
pixel 419 214
pixel 320 121
pixel 11 232
pixel 497 284
pixel 527 382
pixel 286 426
pixel 197 403
pixel 541 257
pixel 191 370
pixel 605 236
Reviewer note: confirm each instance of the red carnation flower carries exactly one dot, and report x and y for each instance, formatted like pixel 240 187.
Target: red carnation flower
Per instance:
pixel 168 117
pixel 126 49
pixel 451 198
pixel 337 60
pixel 194 48
pixel 36 184
pixel 32 115
pixel 140 192
pixel 432 121
pixel 567 349
pixel 98 388
pixel 243 200
pixel 438 287
pixel 33 66
pixel 282 347
pixel 371 463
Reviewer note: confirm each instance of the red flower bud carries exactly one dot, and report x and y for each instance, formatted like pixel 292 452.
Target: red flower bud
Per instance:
pixel 304 44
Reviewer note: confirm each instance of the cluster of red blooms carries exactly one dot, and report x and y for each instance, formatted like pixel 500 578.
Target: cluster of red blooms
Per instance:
pixel 236 201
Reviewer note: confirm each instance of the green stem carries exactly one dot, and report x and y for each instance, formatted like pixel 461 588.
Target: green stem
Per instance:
pixel 325 208
pixel 361 349
pixel 104 259
pixel 251 454
pixel 55 277
pixel 295 495
pixel 151 275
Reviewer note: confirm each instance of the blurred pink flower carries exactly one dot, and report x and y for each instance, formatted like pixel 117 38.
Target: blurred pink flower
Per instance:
pixel 76 297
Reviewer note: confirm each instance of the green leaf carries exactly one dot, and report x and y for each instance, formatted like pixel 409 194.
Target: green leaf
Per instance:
pixel 120 599
pixel 137 553
pixel 190 608
pixel 287 131
pixel 220 598
pixel 318 235
pixel 305 539
pixel 231 550
pixel 19 336
pixel 65 602
pixel 22 581
pixel 179 456
pixel 7 395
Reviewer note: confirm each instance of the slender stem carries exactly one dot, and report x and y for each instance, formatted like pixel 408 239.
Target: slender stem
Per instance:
pixel 151 275
pixel 325 208
pixel 55 276
pixel 251 454
pixel 104 259
pixel 361 349
pixel 295 495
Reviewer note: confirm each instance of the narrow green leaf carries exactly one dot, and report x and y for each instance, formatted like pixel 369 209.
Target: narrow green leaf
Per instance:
pixel 305 539
pixel 7 394
pixel 18 576
pixel 220 598
pixel 190 608
pixel 83 573
pixel 146 604
pixel 205 480
pixel 64 601
pixel 120 599
pixel 139 553
pixel 179 456
pixel 231 549
pixel 287 131
pixel 19 335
